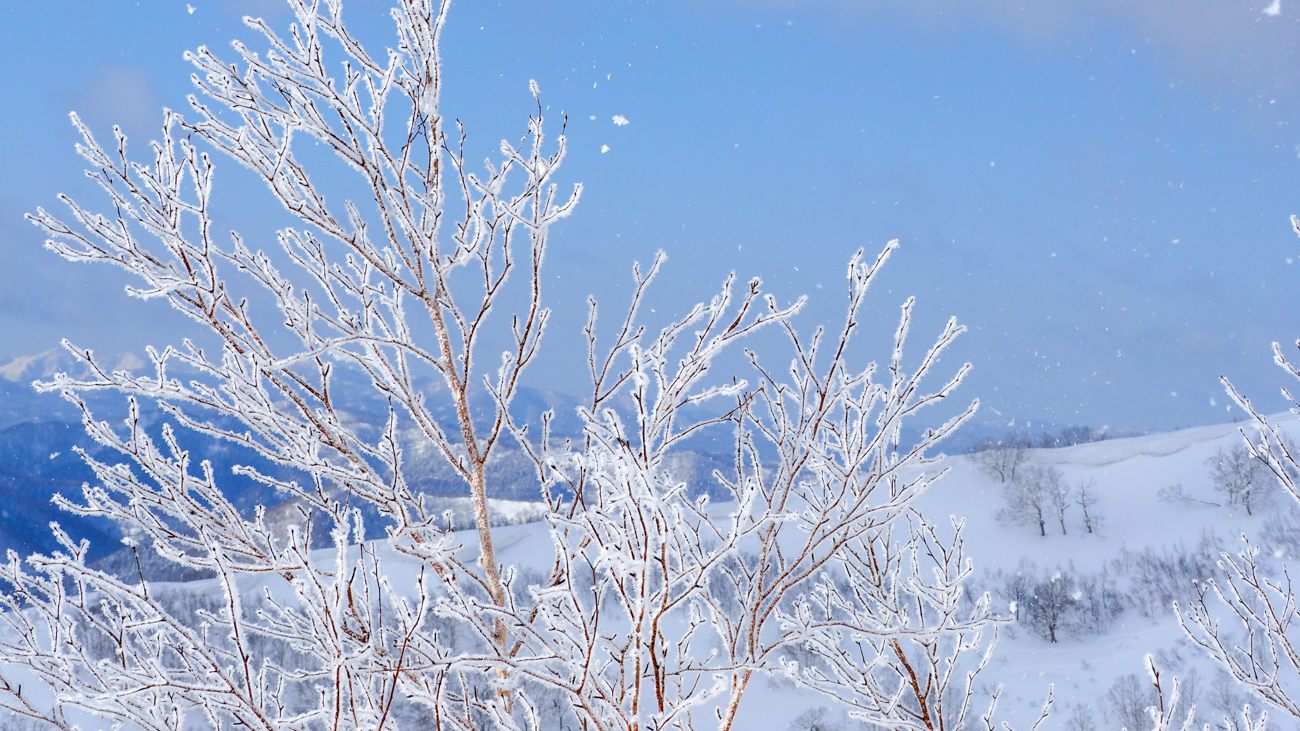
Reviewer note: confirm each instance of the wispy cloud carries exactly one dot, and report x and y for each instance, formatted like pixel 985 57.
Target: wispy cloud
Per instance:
pixel 1241 43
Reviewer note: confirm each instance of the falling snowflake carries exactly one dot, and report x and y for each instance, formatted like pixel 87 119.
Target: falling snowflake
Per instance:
pixel 190 8
pixel 620 120
pixel 1274 8
pixel 604 149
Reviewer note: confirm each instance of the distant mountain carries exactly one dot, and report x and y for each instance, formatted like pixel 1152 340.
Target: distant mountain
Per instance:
pixel 38 432
pixel 24 369
pixel 36 463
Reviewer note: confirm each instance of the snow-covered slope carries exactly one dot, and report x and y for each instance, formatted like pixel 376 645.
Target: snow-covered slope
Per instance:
pixel 1133 480
pixel 1096 666
pixel 1088 666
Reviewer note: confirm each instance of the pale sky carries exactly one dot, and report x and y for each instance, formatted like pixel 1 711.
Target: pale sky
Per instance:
pixel 1101 194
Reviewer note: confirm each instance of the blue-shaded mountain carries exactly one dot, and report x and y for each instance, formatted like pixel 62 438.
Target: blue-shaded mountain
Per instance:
pixel 38 431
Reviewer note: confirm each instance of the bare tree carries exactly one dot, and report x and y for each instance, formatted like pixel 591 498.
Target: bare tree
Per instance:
pixel 660 559
pixel 658 607
pixel 1002 458
pixel 1058 494
pixel 1018 587
pixel 1085 496
pixel 1052 602
pixel 1032 497
pixel 1127 701
pixel 1240 476
pixel 1081 718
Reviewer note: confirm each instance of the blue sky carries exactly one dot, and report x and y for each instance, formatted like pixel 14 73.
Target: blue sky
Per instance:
pixel 1100 192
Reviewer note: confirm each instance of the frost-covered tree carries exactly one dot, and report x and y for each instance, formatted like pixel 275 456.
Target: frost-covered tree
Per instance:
pixel 1037 492
pixel 411 271
pixel 1081 718
pixel 1017 588
pixel 1059 495
pixel 1240 476
pixel 1051 604
pixel 1002 458
pixel 1248 617
pixel 1085 496
pixel 1100 602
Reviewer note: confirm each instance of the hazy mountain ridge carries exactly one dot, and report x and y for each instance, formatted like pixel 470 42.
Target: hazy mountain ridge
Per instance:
pixel 38 432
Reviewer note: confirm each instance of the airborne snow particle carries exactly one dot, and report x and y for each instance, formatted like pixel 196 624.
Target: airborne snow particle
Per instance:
pixel 620 121
pixel 1274 8
pixel 190 8
pixel 604 149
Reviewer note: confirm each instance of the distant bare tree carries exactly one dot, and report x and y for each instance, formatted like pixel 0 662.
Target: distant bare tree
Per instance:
pixel 1002 458
pixel 1240 475
pixel 1051 603
pixel 1085 496
pixel 1018 587
pixel 1080 718
pixel 1126 702
pixel 1058 494
pixel 1032 496
pixel 1069 436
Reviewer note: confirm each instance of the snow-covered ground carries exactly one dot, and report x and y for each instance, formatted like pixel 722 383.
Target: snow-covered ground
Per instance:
pixel 1083 666
pixel 1086 665
pixel 1129 475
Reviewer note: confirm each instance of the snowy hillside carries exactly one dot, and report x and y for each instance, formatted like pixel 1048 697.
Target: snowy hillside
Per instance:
pixel 1085 666
pixel 1158 516
pixel 1144 528
pixel 1097 664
